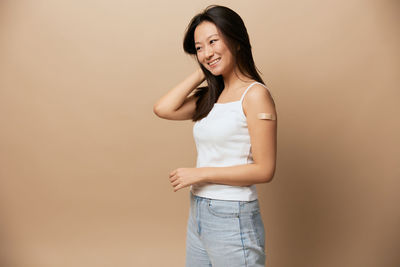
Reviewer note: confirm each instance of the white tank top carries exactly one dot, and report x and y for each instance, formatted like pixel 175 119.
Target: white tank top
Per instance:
pixel 222 139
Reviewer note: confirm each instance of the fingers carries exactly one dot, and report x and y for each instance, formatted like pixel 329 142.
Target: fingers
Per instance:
pixel 172 173
pixel 176 184
pixel 172 178
pixel 179 186
pixel 175 181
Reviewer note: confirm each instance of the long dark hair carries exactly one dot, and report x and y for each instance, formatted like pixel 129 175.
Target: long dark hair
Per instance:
pixel 235 33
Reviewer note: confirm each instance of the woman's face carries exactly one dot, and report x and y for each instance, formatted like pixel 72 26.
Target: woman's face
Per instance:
pixel 212 51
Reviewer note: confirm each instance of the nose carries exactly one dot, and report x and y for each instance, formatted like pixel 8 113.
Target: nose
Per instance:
pixel 209 51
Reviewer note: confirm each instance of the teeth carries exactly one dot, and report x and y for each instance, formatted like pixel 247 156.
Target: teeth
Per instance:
pixel 215 61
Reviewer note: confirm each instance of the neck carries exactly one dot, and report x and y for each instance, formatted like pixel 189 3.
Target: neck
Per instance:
pixel 234 79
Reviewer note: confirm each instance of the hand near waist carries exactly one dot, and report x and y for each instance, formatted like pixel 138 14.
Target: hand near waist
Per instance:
pixel 184 177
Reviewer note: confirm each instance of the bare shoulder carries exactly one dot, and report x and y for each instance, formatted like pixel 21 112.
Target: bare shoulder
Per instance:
pixel 258 96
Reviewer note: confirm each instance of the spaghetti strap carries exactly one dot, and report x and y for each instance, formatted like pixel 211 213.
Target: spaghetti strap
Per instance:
pixel 241 99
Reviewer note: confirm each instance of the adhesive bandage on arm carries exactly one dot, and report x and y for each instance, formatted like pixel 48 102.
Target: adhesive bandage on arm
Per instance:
pixel 266 116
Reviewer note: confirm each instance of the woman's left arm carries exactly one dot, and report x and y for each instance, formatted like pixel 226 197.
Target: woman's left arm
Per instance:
pixel 263 138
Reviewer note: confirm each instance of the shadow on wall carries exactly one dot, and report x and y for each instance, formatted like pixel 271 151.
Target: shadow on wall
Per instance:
pixel 6 248
pixel 319 207
pixel 302 208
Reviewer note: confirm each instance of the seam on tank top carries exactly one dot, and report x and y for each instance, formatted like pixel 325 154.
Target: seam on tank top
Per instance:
pixel 248 154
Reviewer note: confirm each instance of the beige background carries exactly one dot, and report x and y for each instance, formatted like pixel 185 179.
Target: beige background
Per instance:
pixel 84 162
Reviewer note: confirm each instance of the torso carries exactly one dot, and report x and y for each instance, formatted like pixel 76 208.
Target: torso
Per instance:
pixel 222 139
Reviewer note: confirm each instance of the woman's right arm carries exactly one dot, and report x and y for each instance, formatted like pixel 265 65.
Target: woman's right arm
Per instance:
pixel 176 105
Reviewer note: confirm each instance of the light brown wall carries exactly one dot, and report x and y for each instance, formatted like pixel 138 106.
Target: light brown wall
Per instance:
pixel 84 162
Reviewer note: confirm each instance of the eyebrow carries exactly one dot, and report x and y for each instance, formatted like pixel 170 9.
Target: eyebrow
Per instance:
pixel 207 37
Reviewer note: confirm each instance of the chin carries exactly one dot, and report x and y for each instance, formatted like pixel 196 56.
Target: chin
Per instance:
pixel 215 72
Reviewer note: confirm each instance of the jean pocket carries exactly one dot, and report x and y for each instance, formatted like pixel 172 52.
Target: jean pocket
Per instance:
pixel 249 207
pixel 258 227
pixel 223 208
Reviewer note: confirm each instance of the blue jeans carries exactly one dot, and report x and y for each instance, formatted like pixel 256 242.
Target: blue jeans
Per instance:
pixel 224 233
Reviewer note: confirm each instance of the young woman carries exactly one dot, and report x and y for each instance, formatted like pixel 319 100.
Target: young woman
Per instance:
pixel 235 134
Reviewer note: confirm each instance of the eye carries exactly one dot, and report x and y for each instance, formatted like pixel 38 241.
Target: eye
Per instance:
pixel 198 48
pixel 213 40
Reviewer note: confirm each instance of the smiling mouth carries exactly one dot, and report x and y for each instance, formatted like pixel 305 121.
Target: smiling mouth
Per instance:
pixel 212 63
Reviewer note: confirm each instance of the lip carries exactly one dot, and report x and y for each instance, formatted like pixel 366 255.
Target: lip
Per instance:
pixel 212 66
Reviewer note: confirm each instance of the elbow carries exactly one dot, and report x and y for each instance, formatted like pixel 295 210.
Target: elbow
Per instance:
pixel 162 112
pixel 158 111
pixel 155 110
pixel 268 175
pixel 269 178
